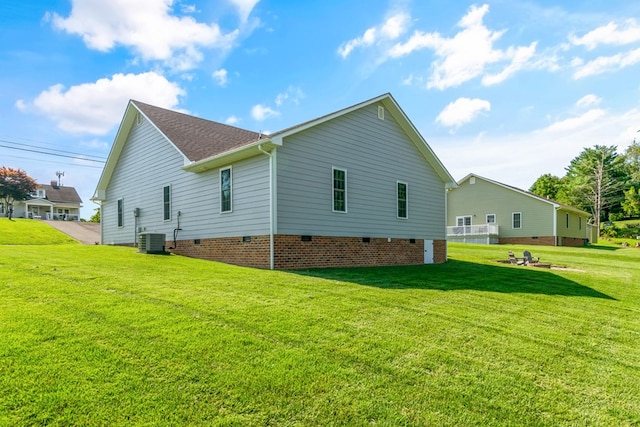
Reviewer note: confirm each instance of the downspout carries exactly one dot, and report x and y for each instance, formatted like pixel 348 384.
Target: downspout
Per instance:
pixel 555 225
pixel 271 243
pixel 446 222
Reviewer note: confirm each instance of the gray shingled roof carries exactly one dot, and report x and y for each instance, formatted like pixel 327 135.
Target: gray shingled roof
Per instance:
pixel 59 194
pixel 196 138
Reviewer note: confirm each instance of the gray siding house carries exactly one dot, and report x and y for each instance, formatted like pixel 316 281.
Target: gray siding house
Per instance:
pixel 356 187
pixel 481 210
pixel 52 201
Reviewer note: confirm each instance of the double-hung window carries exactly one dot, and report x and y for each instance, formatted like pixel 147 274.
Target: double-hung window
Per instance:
pixel 491 218
pixel 516 220
pixel 120 213
pixel 225 190
pixel 339 190
pixel 166 202
pixel 402 193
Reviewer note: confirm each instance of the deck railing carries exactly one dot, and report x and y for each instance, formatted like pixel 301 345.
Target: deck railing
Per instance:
pixel 474 230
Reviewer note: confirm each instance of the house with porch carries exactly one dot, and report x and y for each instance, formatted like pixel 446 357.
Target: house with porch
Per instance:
pixel 356 187
pixel 481 210
pixel 52 201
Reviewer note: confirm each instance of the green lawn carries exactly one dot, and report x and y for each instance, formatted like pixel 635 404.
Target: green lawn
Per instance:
pixel 97 335
pixel 20 231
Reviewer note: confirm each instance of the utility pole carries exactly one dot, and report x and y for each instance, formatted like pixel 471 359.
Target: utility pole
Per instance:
pixel 59 175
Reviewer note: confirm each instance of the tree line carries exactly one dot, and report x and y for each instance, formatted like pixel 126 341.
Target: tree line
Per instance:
pixel 600 181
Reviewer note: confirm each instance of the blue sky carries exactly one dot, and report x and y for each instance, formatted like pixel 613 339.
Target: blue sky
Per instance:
pixel 506 89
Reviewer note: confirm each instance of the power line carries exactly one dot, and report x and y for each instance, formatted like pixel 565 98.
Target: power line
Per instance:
pixel 50 149
pixel 52 162
pixel 52 154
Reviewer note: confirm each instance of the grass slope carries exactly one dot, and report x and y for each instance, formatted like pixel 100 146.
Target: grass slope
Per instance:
pixel 97 335
pixel 20 231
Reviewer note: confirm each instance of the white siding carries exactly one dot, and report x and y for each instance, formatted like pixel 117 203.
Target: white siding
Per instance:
pixel 376 154
pixel 148 163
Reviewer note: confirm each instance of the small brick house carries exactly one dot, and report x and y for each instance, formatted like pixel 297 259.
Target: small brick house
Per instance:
pixel 356 187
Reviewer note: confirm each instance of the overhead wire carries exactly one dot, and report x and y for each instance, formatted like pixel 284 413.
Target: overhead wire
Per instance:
pixel 76 156
pixel 6 141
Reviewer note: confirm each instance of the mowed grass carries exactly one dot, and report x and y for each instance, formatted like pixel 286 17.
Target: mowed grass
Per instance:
pixel 20 231
pixel 98 335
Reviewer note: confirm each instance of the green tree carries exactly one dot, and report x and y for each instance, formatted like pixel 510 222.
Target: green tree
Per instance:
pixel 15 185
pixel 632 160
pixel 96 216
pixel 595 180
pixel 631 202
pixel 547 185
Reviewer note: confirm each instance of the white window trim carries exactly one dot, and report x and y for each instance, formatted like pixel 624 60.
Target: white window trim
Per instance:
pixel 229 168
pixel 406 200
pixel 118 212
pixel 170 203
pixel 463 217
pixel 333 202
pixel 495 218
pixel 513 214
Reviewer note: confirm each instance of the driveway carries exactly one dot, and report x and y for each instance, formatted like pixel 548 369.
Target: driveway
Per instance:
pixel 85 232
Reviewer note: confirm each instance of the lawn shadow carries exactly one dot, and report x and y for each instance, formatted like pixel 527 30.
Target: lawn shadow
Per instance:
pixel 460 275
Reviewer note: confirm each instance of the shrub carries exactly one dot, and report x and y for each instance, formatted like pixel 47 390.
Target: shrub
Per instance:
pixel 610 231
pixel 616 216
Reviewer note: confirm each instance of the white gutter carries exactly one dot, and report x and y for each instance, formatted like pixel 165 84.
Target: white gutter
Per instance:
pixel 555 224
pixel 271 216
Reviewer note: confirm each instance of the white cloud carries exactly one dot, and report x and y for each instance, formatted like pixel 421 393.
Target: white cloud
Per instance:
pixel 461 111
pixel 260 112
pixel 293 94
pixel 520 57
pixel 220 76
pixel 605 64
pixel 588 100
pixel 575 123
pixel 609 34
pixel 470 52
pixel 519 159
pixel 96 108
pixel 391 29
pixel 232 120
pixel 244 7
pixel 145 26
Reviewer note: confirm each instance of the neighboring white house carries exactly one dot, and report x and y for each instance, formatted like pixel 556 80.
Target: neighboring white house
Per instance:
pixel 50 202
pixel 359 186
pixel 481 210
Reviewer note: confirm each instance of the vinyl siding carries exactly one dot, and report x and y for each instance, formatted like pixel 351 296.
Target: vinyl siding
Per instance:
pixel 484 198
pixel 376 155
pixel 574 229
pixel 149 162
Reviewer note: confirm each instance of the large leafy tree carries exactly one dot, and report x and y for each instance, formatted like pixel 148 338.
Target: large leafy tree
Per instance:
pixel 547 185
pixel 596 179
pixel 15 185
pixel 631 202
pixel 632 159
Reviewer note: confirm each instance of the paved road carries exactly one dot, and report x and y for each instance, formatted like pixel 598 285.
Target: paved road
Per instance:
pixel 85 232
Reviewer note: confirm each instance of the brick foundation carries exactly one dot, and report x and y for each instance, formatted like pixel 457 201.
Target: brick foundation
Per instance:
pixel 544 241
pixel 439 251
pixel 296 252
pixel 571 241
pixel 541 241
pixel 230 250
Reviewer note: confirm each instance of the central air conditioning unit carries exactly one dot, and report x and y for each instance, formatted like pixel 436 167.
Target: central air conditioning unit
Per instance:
pixel 151 243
